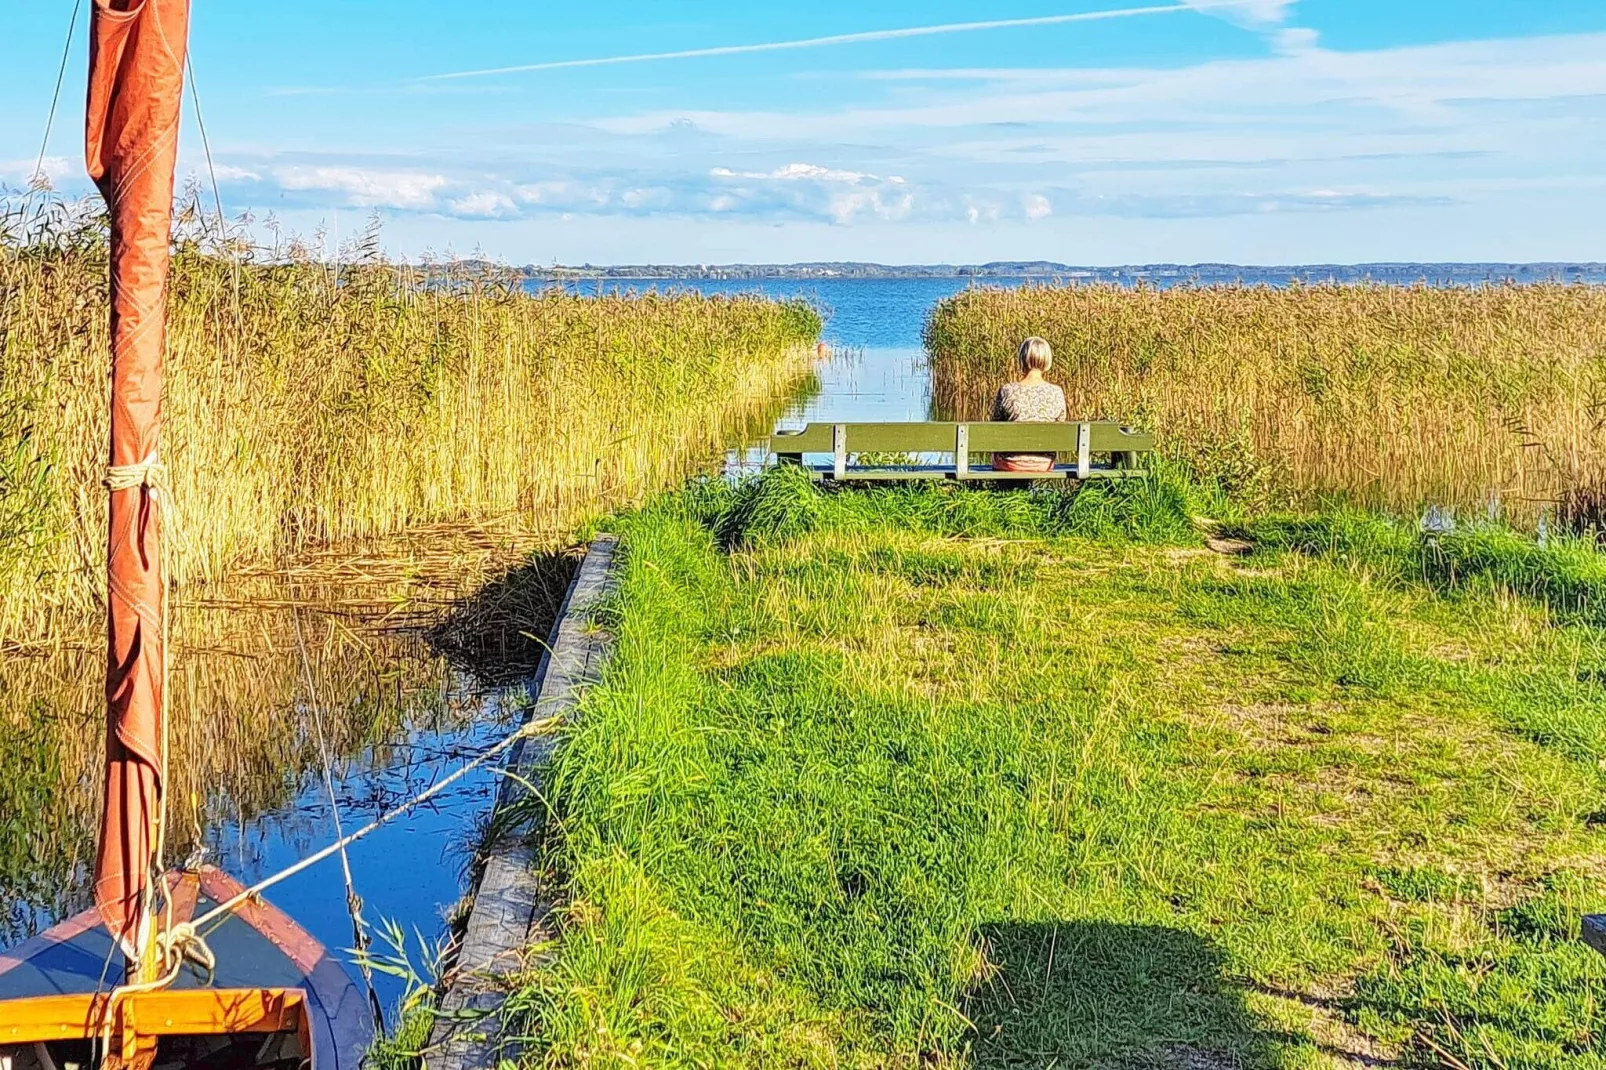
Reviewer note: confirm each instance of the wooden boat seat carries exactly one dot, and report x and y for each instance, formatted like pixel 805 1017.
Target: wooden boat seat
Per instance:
pixel 272 977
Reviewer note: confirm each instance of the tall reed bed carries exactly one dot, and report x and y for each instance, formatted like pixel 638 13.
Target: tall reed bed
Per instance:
pixel 1395 396
pixel 308 403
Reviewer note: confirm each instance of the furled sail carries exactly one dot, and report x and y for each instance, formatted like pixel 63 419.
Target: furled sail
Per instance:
pixel 136 78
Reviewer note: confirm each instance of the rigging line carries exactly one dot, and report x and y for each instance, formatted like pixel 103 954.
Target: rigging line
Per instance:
pixel 206 144
pixel 530 728
pixel 359 927
pixel 55 98
pixel 217 196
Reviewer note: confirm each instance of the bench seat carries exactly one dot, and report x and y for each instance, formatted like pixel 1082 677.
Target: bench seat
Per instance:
pixel 910 472
pixel 1101 449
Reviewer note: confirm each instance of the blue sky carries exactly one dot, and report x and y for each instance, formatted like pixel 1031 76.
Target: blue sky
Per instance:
pixel 1255 131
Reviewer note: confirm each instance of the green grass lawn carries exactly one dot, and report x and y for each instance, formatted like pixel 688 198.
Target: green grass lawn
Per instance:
pixel 940 778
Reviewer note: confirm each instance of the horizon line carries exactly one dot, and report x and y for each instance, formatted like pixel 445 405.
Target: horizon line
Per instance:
pixel 1049 264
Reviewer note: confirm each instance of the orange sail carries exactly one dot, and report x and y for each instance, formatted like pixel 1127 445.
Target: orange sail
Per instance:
pixel 136 77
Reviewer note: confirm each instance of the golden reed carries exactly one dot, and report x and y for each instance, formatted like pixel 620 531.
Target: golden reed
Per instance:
pixel 312 404
pixel 1394 396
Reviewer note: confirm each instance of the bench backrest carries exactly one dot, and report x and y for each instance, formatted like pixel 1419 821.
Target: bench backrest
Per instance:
pixel 1103 436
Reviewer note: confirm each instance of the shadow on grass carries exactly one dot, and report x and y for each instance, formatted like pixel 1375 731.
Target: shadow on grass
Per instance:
pixel 1072 994
pixel 500 632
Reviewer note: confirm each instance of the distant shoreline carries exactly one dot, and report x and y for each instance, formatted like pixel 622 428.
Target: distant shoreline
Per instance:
pixel 1047 270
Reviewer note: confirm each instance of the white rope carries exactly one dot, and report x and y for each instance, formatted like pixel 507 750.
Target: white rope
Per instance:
pixel 530 728
pixel 38 177
pixel 150 472
pixel 359 927
pixel 178 945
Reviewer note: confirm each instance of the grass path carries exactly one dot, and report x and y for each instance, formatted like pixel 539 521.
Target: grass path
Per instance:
pixel 1005 781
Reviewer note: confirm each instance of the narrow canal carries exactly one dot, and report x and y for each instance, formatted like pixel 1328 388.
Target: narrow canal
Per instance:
pixel 342 655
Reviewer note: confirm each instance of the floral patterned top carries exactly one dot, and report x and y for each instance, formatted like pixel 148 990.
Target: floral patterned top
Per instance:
pixel 1038 402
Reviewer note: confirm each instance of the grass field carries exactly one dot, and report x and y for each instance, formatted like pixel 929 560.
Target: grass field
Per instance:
pixel 919 778
pixel 1470 398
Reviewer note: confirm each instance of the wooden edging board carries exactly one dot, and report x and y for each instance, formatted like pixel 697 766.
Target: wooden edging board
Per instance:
pixel 513 906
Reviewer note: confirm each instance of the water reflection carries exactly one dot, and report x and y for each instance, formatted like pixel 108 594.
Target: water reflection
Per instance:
pixel 401 705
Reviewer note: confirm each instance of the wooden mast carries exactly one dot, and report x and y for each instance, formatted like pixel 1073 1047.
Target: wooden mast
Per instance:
pixel 136 79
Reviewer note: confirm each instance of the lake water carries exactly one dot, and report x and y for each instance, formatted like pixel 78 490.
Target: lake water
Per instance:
pixel 877 370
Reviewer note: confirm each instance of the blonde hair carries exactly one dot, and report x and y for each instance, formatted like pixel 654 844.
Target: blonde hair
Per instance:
pixel 1034 355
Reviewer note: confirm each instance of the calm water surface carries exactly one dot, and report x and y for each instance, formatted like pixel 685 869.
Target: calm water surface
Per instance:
pixel 878 369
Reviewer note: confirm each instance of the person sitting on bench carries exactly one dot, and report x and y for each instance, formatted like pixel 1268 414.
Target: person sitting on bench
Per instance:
pixel 1032 399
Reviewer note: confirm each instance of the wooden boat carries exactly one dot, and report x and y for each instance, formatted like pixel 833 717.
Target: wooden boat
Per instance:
pixel 132 982
pixel 275 998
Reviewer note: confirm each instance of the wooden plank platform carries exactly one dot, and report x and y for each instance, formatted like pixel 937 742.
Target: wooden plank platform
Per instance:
pixel 1101 449
pixel 513 907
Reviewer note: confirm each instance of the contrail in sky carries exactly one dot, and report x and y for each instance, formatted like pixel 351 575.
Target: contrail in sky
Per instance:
pixel 846 39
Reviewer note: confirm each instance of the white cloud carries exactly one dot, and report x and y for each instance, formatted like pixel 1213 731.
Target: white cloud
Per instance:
pixel 1292 39
pixel 558 191
pixel 796 172
pixel 847 208
pixel 367 188
pixel 1037 206
pixel 810 190
pixel 485 204
pixel 54 168
pixel 1256 14
pixel 1269 17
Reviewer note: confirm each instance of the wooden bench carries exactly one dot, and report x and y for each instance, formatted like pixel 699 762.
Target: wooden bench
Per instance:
pixel 1102 449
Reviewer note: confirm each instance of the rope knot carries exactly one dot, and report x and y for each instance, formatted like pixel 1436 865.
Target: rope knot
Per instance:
pixel 183 943
pixel 150 472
